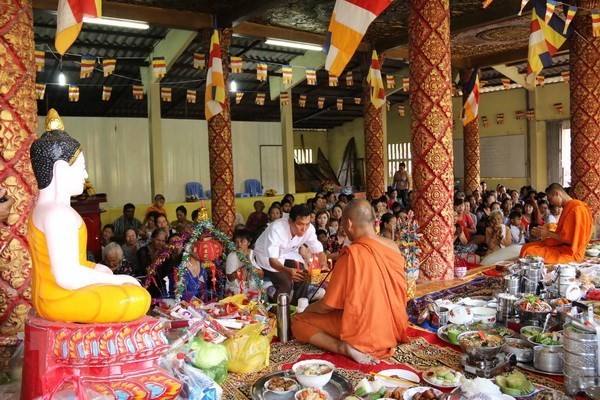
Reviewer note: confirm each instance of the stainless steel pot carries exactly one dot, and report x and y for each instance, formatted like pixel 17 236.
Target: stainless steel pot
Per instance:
pixel 524 352
pixel 548 359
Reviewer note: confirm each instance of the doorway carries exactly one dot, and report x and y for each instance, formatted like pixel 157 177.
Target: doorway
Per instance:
pixel 558 150
pixel 271 167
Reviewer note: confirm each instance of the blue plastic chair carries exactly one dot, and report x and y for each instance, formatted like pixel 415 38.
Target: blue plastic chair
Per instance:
pixel 208 194
pixel 194 189
pixel 253 187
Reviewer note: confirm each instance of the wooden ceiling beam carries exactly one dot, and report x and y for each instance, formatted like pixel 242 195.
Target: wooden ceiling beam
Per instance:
pixel 503 57
pixel 252 9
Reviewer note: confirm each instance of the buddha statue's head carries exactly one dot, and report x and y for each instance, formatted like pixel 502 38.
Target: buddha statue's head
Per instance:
pixel 56 148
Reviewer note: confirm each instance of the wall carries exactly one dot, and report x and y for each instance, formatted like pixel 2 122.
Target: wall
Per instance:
pixel 312 140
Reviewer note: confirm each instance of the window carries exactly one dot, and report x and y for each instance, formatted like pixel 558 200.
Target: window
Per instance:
pixel 303 156
pixel 397 153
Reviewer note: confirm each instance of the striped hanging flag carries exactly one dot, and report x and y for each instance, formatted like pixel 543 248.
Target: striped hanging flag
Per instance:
pixel 261 72
pixel 523 4
pixel 87 66
pixel 558 107
pixel 238 97
pixel 340 104
pixel 138 92
pixel 214 97
pixel 406 84
pixel 544 41
pixel 236 64
pixel 500 119
pixel 260 99
pixel 550 6
pixel 40 60
pixel 566 75
pixel 530 115
pixel 357 100
pixel 540 80
pixel 349 79
pixel 302 100
pixel 321 102
pixel 570 12
pixel 166 94
pixel 506 83
pixel 388 105
pixel 520 114
pixel 596 23
pixel 333 80
pixel 482 83
pixel 311 76
pixel 284 98
pixel 484 121
pixel 40 91
pixel 486 3
pixel 199 61
pixel 287 74
pixel 106 92
pixel 347 26
pixel 70 19
pixel 73 93
pixel 159 67
pixel 471 107
pixel 391 82
pixel 401 110
pixel 191 96
pixel 108 66
pixel 375 81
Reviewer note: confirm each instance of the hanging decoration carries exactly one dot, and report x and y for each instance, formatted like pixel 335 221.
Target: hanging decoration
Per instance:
pixel 261 72
pixel 199 61
pixel 484 121
pixel 406 84
pixel 284 98
pixel 238 97
pixel 357 100
pixel 486 3
pixel 191 96
pixel 500 119
pixel 506 83
pixel 566 75
pixel 40 60
pixel 388 105
pixel 70 19
pixel 166 94
pixel 558 107
pixel 401 110
pixel 333 80
pixel 540 80
pixel 520 114
pixel 106 92
pixel 391 82
pixel 471 107
pixel 287 74
pixel 159 67
pixel 530 115
pixel 236 64
pixel 340 104
pixel 214 94
pixel 87 66
pixel 260 99
pixel 73 93
pixel 302 100
pixel 311 76
pixel 40 91
pixel 596 23
pixel 321 102
pixel 375 82
pixel 108 66
pixel 550 6
pixel 523 4
pixel 349 79
pixel 570 12
pixel 138 92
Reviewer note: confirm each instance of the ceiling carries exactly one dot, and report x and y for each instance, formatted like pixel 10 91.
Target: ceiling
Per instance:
pixel 479 38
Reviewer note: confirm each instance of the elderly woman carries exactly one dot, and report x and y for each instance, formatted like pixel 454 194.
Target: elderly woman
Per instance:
pixel 112 256
pixel 131 247
pixel 497 235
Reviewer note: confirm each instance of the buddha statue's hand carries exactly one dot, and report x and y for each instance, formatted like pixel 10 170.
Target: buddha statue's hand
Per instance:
pixel 103 268
pixel 126 280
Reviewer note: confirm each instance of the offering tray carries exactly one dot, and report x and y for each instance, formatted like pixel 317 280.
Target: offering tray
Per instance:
pixel 529 367
pixel 442 332
pixel 337 388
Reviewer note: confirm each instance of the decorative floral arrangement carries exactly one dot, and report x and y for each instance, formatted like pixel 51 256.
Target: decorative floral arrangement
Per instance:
pixel 329 186
pixel 271 193
pixel 88 189
pixel 408 238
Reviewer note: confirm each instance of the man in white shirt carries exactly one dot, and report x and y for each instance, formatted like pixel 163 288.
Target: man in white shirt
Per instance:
pixel 276 251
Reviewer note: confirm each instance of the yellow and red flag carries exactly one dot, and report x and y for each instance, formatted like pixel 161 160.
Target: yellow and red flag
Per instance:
pixel 238 97
pixel 40 60
pixel 406 84
pixel 401 111
pixel 159 67
pixel 596 23
pixel 191 96
pixel 40 90
pixel 349 79
pixel 321 102
pixel 311 76
pixel 166 94
pixel 261 72
pixel 375 81
pixel 500 119
pixel 340 104
pixel 73 93
pixel 486 3
pixel 108 66
pixel 390 81
pixel 302 100
pixel 87 66
pixel 333 80
pixel 471 107
pixel 214 99
pixel 70 18
pixel 570 12
pixel 523 4
pixel 550 6
pixel 138 92
pixel 288 74
pixel 566 75
pixel 284 98
pixel 260 99
pixel 199 61
pixel 506 83
pixel 106 92
pixel 236 64
pixel 357 100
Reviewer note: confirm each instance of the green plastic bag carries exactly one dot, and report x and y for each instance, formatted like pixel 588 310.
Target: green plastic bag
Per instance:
pixel 212 359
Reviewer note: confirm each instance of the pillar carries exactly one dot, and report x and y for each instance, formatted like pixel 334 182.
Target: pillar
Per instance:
pixel 374 154
pixel 220 152
pixel 431 131
pixel 287 148
pixel 18 129
pixel 585 110
pixel 471 142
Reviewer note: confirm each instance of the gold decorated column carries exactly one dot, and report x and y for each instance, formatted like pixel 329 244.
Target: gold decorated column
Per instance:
pixel 585 110
pixel 18 129
pixel 220 152
pixel 373 128
pixel 431 130
pixel 471 141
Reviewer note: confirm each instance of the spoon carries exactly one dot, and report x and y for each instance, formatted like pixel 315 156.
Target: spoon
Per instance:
pixel 546 322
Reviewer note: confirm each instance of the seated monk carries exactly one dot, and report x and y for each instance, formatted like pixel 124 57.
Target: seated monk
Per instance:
pixel 573 232
pixel 363 314
pixel 65 286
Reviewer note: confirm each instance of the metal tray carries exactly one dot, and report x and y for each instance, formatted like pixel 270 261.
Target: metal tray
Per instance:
pixel 529 367
pixel 338 387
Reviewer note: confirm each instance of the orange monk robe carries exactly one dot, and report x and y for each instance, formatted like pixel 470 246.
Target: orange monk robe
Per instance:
pixel 368 292
pixel 574 228
pixel 153 208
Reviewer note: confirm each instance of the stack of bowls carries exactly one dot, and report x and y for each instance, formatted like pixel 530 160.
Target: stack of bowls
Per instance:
pixel 579 357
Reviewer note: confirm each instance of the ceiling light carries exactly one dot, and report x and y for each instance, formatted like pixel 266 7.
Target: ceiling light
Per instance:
pixel 122 23
pixel 232 86
pixel 62 79
pixel 295 45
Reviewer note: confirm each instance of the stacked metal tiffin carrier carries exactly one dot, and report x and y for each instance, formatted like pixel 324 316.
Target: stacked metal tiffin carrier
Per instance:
pixel 581 356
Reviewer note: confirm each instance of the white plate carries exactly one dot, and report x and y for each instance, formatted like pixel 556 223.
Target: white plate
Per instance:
pixel 402 373
pixel 284 391
pixel 452 385
pixel 460 315
pixel 408 395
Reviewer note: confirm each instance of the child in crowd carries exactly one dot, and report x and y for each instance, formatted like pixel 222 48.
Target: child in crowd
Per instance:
pixel 274 213
pixel 517 232
pixel 323 237
pixel 334 225
pixel 286 206
pixel 238 275
pixel 195 214
pixel 157 205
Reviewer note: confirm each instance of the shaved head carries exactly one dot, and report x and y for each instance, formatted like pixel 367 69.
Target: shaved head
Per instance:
pixel 360 212
pixel 555 187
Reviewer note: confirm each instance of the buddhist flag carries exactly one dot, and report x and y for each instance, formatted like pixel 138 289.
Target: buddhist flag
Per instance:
pixel 390 81
pixel 401 111
pixel 506 83
pixel 166 94
pixel 311 76
pixel 70 18
pixel 558 107
pixel 388 105
pixel 523 4
pixel 348 25
pixel 87 66
pixel 73 93
pixel 260 99
pixel 471 107
pixel 406 84
pixel 500 119
pixel 287 74
pixel 138 92
pixel 540 80
pixel 321 102
pixel 199 61
pixel 108 66
pixel 261 72
pixel 544 41
pixel 214 98
pixel 340 104
pixel 520 114
pixel 159 67
pixel 106 92
pixel 566 75
pixel 486 3
pixel 333 80
pixel 40 90
pixel 484 121
pixel 550 6
pixel 349 79
pixel 357 100
pixel 570 12
pixel 236 64
pixel 302 100
pixel 191 96
pixel 596 23
pixel 374 79
pixel 238 97
pixel 530 115
pixel 284 98
pixel 40 60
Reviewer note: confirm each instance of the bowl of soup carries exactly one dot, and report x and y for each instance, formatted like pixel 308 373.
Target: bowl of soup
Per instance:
pixel 313 373
pixel 480 345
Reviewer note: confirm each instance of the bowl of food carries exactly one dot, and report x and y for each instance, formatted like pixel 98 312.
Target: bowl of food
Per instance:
pixel 281 385
pixel 546 339
pixel 313 373
pixel 484 314
pixel 522 349
pixel 480 345
pixel 532 308
pixel 529 331
pixel 472 303
pixel 422 393
pixel 311 394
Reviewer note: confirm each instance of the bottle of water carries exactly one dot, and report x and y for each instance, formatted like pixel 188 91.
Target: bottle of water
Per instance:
pixel 283 317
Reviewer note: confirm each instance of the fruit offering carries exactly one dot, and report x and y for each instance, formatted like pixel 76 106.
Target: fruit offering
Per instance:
pixel 442 376
pixel 515 384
